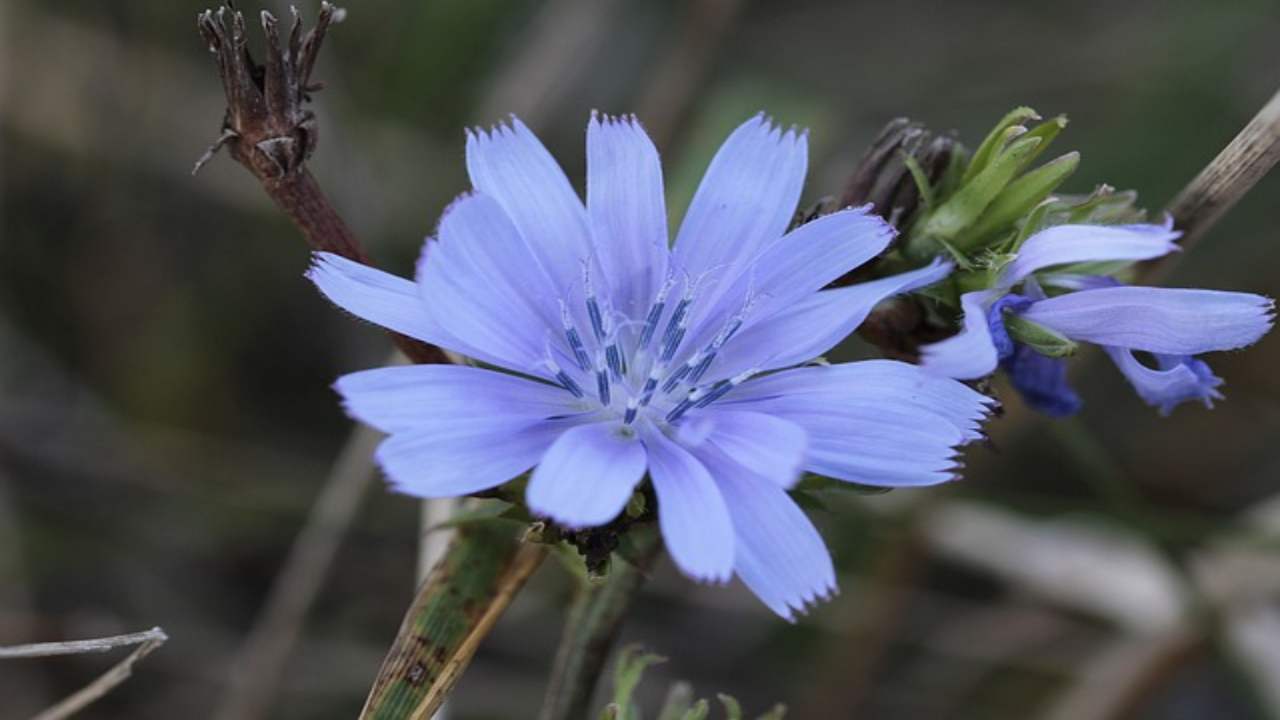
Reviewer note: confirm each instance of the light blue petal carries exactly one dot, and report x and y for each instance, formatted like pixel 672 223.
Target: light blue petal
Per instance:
pixel 379 297
pixel 1067 244
pixel 886 447
pixel 509 164
pixel 771 446
pixel 691 512
pixel 448 459
pixel 867 425
pixel 969 354
pixel 1170 321
pixel 587 476
pixel 745 201
pixel 797 266
pixel 406 397
pixel 627 210
pixel 486 287
pixel 816 324
pixel 876 382
pixel 1179 379
pixel 777 551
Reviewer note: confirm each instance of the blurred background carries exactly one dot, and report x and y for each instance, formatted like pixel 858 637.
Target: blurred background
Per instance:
pixel 166 421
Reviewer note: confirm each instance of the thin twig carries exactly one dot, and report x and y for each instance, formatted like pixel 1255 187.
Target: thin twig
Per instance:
pixel 78 647
pixel 105 682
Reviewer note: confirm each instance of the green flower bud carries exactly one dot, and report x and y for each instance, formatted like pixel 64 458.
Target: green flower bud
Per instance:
pixel 996 139
pixel 972 199
pixel 1019 199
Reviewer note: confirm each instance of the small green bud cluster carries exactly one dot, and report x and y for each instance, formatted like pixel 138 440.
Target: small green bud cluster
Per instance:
pixel 996 188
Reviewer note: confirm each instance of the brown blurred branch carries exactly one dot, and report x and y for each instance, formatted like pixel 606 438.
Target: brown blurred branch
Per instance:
pixel 1220 185
pixel 259 663
pixel 684 66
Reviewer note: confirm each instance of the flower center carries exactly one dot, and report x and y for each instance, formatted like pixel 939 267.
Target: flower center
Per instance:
pixel 641 373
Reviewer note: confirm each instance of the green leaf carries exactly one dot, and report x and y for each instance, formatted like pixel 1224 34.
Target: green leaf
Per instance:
pixel 1030 225
pixel 996 139
pixel 483 511
pixel 732 710
pixel 1106 206
pixel 631 666
pixel 572 561
pixel 699 711
pixel 1047 131
pixel 777 712
pixel 679 699
pixel 1038 337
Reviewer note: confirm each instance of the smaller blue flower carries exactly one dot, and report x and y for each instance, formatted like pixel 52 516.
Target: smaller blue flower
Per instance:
pixel 1172 325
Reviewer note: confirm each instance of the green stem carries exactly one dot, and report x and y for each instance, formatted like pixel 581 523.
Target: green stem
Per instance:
pixel 452 612
pixel 591 628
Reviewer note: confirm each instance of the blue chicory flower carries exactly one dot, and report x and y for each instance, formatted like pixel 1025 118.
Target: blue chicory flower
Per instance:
pixel 1172 325
pixel 614 355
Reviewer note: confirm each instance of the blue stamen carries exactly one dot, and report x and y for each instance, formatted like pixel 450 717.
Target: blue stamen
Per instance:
pixel 593 304
pixel 655 311
pixel 715 393
pixel 646 392
pixel 651 323
pixel 679 409
pixel 675 323
pixel 614 358
pixel 602 386
pixel 675 378
pixel 575 340
pixel 569 384
pixel 579 350
pixel 633 407
pixel 701 367
pixel 597 318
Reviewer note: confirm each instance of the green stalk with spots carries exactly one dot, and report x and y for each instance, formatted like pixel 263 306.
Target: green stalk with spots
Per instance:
pixel 454 609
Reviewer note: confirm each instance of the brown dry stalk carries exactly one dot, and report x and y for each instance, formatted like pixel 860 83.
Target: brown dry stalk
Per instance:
pixel 269 130
pixel 1242 163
